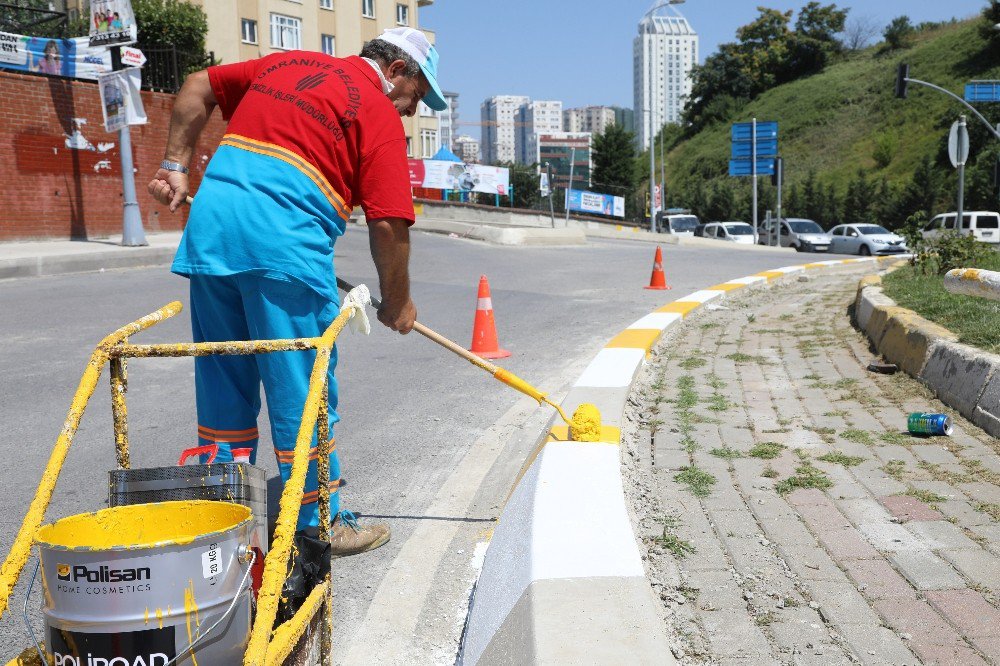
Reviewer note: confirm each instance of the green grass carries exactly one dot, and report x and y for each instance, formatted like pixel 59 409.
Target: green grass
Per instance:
pixel 699 482
pixel 670 541
pixel 726 453
pixel 766 450
pixel 718 403
pixel 769 472
pixel 841 459
pixel 687 397
pixel 858 436
pixel 895 469
pixel 926 496
pixel 806 475
pixel 855 96
pixel 896 437
pixel 692 362
pixel 992 510
pixel 973 319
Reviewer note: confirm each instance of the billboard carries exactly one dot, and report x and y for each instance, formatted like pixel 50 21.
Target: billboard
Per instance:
pixel 592 202
pixel 112 23
pixel 57 57
pixel 444 175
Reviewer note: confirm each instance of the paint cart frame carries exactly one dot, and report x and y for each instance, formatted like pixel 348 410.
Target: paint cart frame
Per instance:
pixel 285 644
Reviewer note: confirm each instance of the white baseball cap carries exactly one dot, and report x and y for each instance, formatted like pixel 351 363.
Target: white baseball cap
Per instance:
pixel 414 43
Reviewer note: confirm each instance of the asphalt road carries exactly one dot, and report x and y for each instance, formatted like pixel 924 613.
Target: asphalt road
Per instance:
pixel 427 442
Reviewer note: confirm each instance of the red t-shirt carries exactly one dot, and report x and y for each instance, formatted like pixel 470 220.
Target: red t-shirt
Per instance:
pixel 329 111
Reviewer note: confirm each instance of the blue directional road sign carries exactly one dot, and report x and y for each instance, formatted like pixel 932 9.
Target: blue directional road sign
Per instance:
pixel 765 167
pixel 765 130
pixel 744 149
pixel 982 91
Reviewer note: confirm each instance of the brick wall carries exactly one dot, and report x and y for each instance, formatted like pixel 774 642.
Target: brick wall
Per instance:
pixel 52 190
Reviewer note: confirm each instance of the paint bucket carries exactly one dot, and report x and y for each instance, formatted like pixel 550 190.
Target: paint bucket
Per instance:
pixel 136 585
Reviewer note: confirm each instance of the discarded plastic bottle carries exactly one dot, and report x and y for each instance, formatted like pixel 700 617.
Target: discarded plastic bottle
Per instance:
pixel 920 423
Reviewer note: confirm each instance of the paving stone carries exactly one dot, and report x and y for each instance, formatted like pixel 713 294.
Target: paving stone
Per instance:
pixel 794 630
pixel 733 634
pixel 933 454
pixel 991 536
pixel 876 646
pixel 717 590
pixel 846 544
pixel 938 488
pixel 810 563
pixel 967 610
pixel 926 571
pixel 841 603
pixel 990 646
pixel 877 580
pixel 963 513
pixel 908 508
pixel 939 534
pixel 807 496
pixel 878 482
pixel 873 521
pixel 895 452
pixel 982 491
pixel 979 566
pixel 823 517
pixel 919 620
pixel 948 655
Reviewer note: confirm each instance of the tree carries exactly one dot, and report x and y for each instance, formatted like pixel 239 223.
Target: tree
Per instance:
pixel 924 189
pixel 524 182
pixel 814 42
pixel 898 34
pixel 614 162
pixel 987 25
pixel 166 23
pixel 859 32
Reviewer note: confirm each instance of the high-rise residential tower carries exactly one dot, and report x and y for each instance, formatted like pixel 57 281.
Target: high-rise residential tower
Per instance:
pixel 533 119
pixel 499 119
pixel 664 52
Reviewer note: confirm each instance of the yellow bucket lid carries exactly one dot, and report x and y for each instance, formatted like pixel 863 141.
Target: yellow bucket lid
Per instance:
pixel 139 526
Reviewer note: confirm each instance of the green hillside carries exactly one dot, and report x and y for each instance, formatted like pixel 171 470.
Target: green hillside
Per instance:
pixel 835 122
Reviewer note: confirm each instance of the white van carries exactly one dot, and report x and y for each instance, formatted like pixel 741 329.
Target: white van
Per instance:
pixel 984 225
pixel 678 225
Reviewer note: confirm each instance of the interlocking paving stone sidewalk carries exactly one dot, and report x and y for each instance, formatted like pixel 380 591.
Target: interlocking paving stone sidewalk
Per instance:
pixel 822 532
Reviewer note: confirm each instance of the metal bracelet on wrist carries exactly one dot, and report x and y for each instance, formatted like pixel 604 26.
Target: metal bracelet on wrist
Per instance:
pixel 174 166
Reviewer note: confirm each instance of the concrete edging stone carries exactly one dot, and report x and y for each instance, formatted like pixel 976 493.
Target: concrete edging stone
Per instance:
pixel 963 377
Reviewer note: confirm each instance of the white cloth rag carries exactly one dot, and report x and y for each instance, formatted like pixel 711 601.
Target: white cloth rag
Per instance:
pixel 360 298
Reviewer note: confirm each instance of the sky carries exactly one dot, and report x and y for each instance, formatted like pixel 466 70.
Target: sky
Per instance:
pixel 580 51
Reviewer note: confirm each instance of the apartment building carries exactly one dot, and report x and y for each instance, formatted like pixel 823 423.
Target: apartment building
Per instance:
pixel 593 119
pixel 467 149
pixel 499 121
pixel 533 119
pixel 449 120
pixel 245 29
pixel 568 153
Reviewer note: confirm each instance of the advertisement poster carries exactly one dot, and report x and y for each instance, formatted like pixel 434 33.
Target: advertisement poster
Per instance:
pixel 111 22
pixel 543 184
pixel 120 99
pixel 443 175
pixel 58 57
pixel 592 202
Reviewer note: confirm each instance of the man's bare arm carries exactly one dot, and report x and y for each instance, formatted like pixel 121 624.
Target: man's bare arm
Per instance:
pixel 192 108
pixel 389 239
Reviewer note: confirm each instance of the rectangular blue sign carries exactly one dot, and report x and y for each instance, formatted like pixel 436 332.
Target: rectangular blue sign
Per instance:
pixel 765 130
pixel 592 202
pixel 765 167
pixel 765 148
pixel 982 91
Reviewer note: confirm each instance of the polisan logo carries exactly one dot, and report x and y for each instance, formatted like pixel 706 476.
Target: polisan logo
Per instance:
pixel 102 574
pixel 155 659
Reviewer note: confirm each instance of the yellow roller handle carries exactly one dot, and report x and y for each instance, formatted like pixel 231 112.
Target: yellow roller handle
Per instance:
pixel 518 384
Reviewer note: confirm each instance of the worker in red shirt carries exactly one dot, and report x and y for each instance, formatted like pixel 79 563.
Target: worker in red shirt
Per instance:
pixel 310 137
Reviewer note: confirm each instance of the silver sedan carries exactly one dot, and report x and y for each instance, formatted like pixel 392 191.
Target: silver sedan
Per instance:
pixel 866 240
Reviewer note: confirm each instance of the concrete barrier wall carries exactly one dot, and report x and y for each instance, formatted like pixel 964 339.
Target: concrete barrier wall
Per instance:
pixel 962 377
pixel 563 581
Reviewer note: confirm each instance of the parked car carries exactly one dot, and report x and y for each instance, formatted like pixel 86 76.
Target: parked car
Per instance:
pixel 796 232
pixel 865 239
pixel 735 232
pixel 679 225
pixel 984 225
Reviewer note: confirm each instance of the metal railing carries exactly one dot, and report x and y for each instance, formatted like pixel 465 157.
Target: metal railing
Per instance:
pixel 114 350
pixel 166 67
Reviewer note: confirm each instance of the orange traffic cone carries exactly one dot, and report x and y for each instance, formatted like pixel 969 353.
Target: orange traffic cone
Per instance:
pixel 658 280
pixel 484 330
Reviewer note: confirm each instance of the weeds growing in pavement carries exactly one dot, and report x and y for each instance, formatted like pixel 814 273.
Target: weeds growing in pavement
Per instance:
pixel 764 619
pixel 769 472
pixel 718 403
pixel 896 437
pixel 857 436
pixel 669 539
pixel 692 362
pixel 699 482
pixel 709 324
pixel 837 413
pixel 786 317
pixel 726 453
pixel 715 381
pixel 686 396
pixel 845 384
pixel 766 450
pixel 939 473
pixel 841 459
pixel 992 510
pixel 894 468
pixel 740 357
pixel 925 496
pixel 981 472
pixel 806 475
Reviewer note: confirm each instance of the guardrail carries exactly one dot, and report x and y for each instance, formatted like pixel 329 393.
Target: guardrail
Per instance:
pixel 973 282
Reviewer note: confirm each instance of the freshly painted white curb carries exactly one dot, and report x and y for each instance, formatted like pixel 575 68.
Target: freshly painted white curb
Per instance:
pixel 567 520
pixel 973 282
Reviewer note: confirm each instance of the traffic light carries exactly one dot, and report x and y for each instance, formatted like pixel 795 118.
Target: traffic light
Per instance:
pixel 779 164
pixel 902 73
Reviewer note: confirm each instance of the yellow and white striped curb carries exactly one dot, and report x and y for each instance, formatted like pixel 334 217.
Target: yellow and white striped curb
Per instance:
pixel 973 282
pixel 567 520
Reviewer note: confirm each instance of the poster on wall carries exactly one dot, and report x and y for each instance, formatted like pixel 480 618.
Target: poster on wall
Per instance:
pixel 592 202
pixel 112 23
pixel 56 57
pixel 120 99
pixel 444 175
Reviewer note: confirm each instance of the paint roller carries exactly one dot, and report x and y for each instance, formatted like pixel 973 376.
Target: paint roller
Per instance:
pixel 585 426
